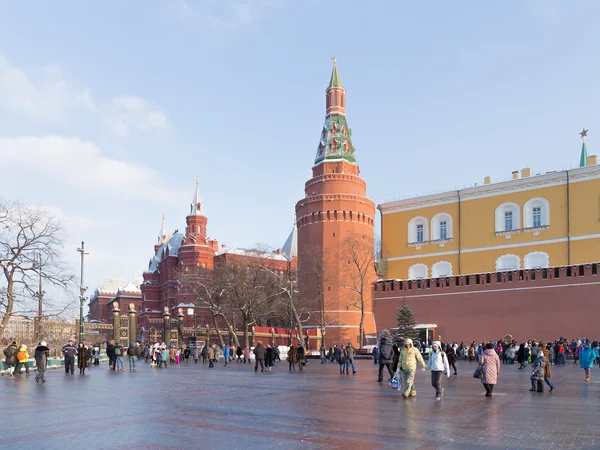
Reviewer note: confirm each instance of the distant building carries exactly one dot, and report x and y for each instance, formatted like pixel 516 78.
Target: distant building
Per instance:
pixel 531 221
pixel 192 253
pixel 115 289
pixel 480 263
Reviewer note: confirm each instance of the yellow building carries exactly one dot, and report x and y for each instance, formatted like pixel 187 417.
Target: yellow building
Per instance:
pixel 530 221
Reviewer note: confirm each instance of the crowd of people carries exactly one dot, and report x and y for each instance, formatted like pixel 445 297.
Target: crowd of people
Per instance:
pixel 397 357
pixel 401 358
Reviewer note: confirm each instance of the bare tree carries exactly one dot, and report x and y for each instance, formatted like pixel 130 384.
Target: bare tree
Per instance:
pixel 358 258
pixel 251 289
pixel 208 290
pixel 27 233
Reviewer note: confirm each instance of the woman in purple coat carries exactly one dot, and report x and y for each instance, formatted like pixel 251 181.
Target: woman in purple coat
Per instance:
pixel 490 368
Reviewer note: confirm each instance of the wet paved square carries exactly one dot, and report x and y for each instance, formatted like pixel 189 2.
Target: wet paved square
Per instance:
pixel 194 407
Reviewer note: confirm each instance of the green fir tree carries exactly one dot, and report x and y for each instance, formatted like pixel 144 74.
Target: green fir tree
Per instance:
pixel 406 324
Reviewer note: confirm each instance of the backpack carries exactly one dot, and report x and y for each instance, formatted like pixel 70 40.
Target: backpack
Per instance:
pixel 21 355
pixel 6 352
pixel 118 351
pixel 131 351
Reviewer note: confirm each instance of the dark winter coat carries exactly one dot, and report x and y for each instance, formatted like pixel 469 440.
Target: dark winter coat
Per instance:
pixel 450 354
pixel 269 357
pixel 396 357
pixel 300 355
pixel 11 354
pixel 84 355
pixel 239 351
pixel 205 352
pixel 522 354
pixel 386 352
pixel 69 351
pixel 41 357
pixel 110 351
pixel 259 352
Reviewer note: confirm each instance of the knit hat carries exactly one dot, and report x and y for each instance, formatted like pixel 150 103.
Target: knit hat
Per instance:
pixel 438 343
pixel 408 341
pixel 23 347
pixel 44 343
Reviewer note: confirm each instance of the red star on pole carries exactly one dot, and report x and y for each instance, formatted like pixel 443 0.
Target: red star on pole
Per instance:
pixel 583 133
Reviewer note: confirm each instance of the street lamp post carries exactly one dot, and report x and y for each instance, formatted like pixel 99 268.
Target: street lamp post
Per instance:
pixel 82 290
pixel 40 297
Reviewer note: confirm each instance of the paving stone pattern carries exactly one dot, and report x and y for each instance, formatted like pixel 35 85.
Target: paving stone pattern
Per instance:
pixel 193 407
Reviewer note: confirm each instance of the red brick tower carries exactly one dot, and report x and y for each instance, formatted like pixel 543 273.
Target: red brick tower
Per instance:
pixel 335 208
pixel 197 249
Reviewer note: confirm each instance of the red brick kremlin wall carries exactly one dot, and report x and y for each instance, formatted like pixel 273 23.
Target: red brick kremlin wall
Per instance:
pixel 540 303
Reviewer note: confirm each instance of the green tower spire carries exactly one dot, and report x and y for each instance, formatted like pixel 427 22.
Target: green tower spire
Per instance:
pixel 335 81
pixel 336 136
pixel 583 158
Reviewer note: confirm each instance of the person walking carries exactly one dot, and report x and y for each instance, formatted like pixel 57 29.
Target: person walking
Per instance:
pixel 204 354
pixel 164 356
pixel 82 358
pixel 259 354
pixel 22 361
pixel 226 351
pixel 386 356
pixel 522 356
pixel 276 354
pixel 96 355
pixel 323 355
pixel 239 353
pixel 396 357
pixel 247 356
pixel 300 357
pixel 407 368
pixel 69 351
pixel 343 360
pixel 41 361
pixel 350 355
pixel 132 354
pixel 451 355
pixel 196 355
pixel 375 353
pixel 490 368
pixel 119 357
pixel 269 358
pixel 439 366
pixel 537 375
pixel 292 358
pixel 10 355
pixel 586 358
pixel 110 352
pixel 211 357
pixel 547 367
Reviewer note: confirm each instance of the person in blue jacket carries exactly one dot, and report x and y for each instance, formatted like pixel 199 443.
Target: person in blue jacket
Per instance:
pixel 226 351
pixel 586 358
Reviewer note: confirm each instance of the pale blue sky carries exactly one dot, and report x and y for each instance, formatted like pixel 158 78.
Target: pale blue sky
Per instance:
pixel 109 110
